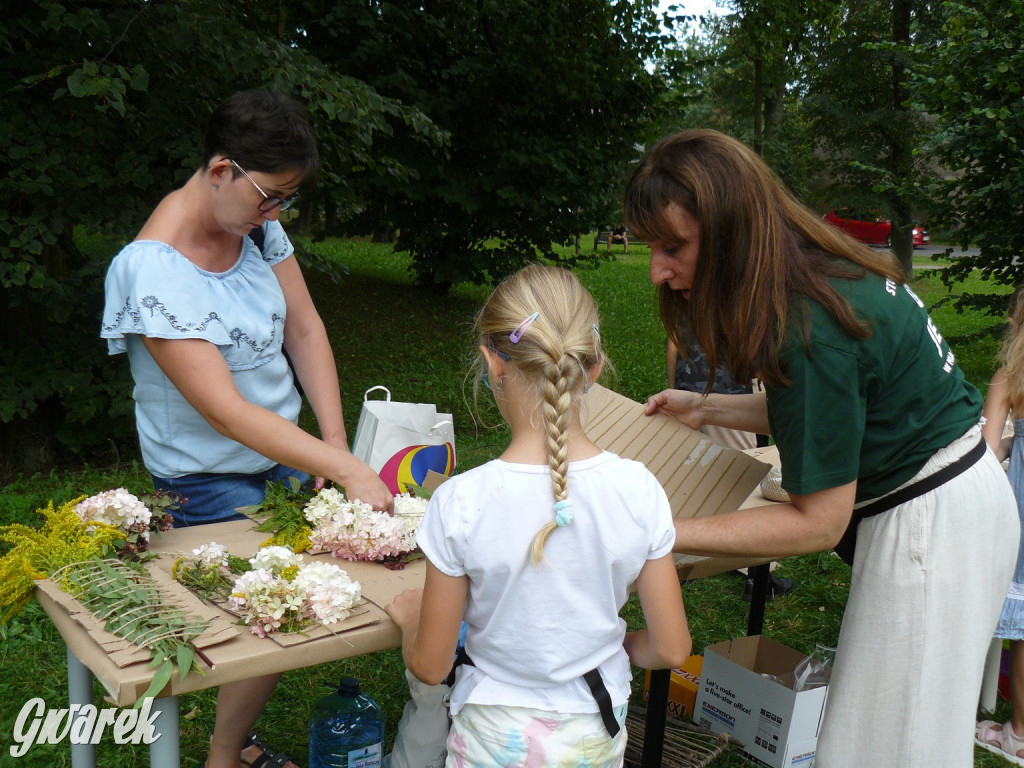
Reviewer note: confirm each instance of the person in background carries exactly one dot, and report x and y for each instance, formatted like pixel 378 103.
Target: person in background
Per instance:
pixel 205 317
pixel 877 431
pixel 1005 397
pixel 536 551
pixel 618 235
pixel 690 372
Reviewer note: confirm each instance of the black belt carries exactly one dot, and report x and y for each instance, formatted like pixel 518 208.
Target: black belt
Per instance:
pixel 845 547
pixel 593 679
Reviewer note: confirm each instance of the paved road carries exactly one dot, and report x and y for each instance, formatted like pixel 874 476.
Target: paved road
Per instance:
pixel 928 250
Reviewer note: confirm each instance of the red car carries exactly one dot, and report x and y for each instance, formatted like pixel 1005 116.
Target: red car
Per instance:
pixel 869 228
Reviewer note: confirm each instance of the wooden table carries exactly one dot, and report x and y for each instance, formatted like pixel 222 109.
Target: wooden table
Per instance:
pixel 242 657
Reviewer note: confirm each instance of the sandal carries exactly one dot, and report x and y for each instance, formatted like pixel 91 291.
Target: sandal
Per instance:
pixel 269 758
pixel 987 736
pixel 1012 746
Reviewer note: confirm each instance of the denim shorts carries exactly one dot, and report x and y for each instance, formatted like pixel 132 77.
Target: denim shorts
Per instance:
pixel 215 498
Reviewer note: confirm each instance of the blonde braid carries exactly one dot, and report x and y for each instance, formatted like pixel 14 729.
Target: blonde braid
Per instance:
pixel 558 398
pixel 543 323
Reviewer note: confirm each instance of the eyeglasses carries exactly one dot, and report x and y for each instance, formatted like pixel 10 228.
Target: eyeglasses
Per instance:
pixel 269 203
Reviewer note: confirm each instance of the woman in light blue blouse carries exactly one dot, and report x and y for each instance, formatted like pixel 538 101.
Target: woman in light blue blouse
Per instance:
pixel 205 316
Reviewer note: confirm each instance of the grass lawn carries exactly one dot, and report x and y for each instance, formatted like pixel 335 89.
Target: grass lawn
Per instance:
pixel 388 331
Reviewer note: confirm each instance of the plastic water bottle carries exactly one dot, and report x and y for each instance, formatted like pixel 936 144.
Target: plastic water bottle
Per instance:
pixel 346 729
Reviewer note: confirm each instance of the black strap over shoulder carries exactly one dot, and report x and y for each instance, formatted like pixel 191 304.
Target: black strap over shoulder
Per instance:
pixel 258 237
pixel 846 545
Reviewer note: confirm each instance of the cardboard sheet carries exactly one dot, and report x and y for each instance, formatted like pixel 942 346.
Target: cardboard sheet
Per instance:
pixel 700 477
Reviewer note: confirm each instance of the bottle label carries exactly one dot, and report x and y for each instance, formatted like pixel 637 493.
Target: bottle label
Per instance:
pixel 365 757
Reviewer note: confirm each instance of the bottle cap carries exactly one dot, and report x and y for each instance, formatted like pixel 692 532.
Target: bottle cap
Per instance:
pixel 348 687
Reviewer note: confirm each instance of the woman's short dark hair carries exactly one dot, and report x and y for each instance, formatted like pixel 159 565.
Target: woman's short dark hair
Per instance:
pixel 263 131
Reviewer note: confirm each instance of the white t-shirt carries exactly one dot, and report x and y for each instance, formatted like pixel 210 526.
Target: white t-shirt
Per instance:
pixel 533 631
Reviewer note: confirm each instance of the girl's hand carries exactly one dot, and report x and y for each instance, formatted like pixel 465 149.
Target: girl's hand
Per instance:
pixel 683 406
pixel 404 610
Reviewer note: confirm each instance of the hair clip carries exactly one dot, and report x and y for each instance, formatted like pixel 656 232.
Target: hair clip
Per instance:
pixel 563 513
pixel 594 326
pixel 485 379
pixel 517 334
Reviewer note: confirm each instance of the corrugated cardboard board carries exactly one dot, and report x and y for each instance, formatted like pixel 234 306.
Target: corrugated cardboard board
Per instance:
pixel 700 477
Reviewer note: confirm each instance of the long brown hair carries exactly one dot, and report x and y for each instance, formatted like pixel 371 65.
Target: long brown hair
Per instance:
pixel 760 249
pixel 1011 354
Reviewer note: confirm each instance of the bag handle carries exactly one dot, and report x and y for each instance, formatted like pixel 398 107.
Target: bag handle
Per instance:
pixel 371 389
pixel 442 423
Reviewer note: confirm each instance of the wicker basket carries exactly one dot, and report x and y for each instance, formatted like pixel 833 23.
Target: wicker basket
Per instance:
pixel 686 745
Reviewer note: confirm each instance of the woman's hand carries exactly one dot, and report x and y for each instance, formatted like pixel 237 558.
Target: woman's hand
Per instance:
pixel 683 406
pixel 361 482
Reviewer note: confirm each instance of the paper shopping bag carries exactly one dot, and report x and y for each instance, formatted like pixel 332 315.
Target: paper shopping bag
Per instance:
pixel 402 442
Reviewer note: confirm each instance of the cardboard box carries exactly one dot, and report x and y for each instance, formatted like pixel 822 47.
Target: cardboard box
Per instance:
pixel 682 687
pixel 777 727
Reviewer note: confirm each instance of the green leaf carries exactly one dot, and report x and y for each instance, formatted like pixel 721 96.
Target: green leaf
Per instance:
pixel 159 681
pixel 186 654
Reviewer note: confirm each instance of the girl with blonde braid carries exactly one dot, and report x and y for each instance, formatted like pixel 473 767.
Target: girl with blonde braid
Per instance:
pixel 536 550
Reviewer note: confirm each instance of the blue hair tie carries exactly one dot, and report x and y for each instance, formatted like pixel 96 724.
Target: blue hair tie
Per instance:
pixel 563 513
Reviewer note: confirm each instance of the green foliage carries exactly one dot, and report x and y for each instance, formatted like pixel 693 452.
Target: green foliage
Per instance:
pixel 543 103
pixel 973 87
pixel 281 514
pixel 132 606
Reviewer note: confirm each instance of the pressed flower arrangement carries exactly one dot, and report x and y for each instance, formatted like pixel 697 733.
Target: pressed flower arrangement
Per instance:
pixel 110 524
pixel 353 530
pixel 131 605
pixel 209 571
pixel 283 593
pixel 347 528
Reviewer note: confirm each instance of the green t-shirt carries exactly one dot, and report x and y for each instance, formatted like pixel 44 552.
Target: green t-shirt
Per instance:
pixel 871 410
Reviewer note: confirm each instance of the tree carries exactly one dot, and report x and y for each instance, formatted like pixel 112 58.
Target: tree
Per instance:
pixel 544 102
pixel 862 117
pixel 972 87
pixel 744 74
pixel 104 109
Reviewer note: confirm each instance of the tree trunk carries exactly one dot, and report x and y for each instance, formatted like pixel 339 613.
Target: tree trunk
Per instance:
pixel 900 146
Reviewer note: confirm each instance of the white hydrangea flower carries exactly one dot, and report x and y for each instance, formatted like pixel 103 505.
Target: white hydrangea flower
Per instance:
pixel 275 559
pixel 118 508
pixel 410 507
pixel 210 554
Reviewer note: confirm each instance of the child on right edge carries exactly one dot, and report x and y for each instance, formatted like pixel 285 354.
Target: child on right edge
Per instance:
pixel 537 549
pixel 1006 396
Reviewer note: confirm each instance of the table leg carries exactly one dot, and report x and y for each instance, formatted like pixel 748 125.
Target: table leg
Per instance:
pixel 758 597
pixel 80 694
pixel 165 751
pixel 657 710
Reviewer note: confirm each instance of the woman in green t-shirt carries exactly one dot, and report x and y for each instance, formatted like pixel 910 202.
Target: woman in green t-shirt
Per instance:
pixel 863 398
